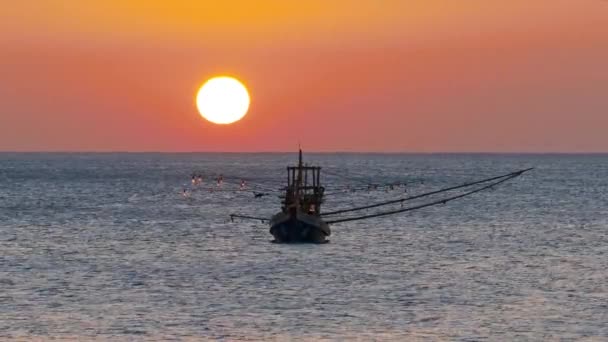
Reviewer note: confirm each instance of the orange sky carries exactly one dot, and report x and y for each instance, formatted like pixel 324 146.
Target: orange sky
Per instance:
pixel 391 76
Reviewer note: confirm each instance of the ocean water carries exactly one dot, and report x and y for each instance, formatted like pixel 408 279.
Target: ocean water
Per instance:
pixel 107 247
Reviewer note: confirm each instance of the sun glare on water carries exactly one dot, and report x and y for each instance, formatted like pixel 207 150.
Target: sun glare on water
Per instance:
pixel 222 100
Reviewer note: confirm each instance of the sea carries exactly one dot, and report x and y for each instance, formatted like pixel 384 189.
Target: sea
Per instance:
pixel 124 247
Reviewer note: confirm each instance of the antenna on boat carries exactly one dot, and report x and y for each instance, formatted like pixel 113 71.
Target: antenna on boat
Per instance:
pixel 300 155
pixel 300 158
pixel 299 180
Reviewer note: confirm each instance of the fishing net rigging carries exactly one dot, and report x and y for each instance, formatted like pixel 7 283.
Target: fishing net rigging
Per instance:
pixel 364 184
pixel 409 198
pixel 262 186
pixel 229 183
pixel 489 183
pixel 348 178
pixel 301 219
pixel 470 187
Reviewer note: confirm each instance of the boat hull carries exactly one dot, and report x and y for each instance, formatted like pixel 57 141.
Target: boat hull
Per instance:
pixel 298 228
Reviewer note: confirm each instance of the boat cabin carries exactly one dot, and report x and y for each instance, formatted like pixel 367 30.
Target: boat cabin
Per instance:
pixel 304 190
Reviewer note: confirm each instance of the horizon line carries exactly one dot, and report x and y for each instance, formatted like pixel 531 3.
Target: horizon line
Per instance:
pixel 312 151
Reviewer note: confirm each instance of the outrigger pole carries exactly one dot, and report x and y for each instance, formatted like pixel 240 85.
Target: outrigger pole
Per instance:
pixel 233 216
pixel 405 199
pixel 497 180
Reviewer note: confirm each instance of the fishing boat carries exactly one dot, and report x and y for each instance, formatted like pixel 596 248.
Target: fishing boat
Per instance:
pixel 301 218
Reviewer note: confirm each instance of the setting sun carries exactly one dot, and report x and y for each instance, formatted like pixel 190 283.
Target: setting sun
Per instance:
pixel 223 100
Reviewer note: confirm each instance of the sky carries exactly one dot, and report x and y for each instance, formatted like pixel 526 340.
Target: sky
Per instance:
pixel 333 75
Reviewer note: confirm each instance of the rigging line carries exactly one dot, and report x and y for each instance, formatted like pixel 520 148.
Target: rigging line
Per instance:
pixel 232 216
pixel 233 187
pixel 247 179
pixel 352 190
pixel 252 186
pixel 262 188
pixel 443 201
pixel 235 178
pixel 259 180
pixel 352 179
pixel 362 178
pixel 516 173
pixel 231 191
pixel 369 187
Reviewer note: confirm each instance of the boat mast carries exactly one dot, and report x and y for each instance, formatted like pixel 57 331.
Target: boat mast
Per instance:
pixel 299 180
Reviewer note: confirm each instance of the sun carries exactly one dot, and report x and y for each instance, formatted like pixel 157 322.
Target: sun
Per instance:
pixel 222 100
